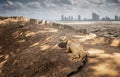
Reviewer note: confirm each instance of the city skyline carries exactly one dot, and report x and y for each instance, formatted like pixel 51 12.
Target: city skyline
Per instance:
pixel 52 9
pixel 94 17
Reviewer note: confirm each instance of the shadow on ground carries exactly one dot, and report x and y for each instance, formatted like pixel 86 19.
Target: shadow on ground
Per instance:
pixel 31 50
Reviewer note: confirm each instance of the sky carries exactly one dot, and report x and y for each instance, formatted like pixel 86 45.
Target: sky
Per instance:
pixel 53 9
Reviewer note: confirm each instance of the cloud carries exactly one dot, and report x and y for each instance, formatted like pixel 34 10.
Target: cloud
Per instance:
pixel 63 4
pixel 104 5
pixel 10 5
pixel 67 2
pixel 57 7
pixel 33 5
pixel 112 1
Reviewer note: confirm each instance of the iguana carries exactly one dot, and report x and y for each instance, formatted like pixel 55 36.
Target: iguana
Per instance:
pixel 74 47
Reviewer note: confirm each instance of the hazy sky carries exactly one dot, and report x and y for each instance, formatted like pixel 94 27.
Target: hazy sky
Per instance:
pixel 53 9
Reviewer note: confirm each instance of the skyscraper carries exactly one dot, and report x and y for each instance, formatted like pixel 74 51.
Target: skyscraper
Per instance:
pixel 62 17
pixel 95 17
pixel 119 18
pixel 116 18
pixel 69 18
pixel 79 17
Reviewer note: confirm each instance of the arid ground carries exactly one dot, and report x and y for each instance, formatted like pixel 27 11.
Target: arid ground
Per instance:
pixel 31 49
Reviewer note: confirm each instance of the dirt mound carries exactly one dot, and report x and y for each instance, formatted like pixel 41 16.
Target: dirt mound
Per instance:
pixel 31 64
pixel 31 50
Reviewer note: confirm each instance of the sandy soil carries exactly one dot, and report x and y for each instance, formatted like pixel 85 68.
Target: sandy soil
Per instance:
pixel 31 50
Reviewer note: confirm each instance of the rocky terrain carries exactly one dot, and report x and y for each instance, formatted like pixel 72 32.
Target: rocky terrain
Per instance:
pixel 29 48
pixel 105 29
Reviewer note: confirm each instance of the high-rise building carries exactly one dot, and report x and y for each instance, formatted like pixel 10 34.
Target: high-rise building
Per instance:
pixel 95 17
pixel 62 17
pixel 71 18
pixel 103 19
pixel 119 18
pixel 66 18
pixel 79 17
pixel 107 18
pixel 116 18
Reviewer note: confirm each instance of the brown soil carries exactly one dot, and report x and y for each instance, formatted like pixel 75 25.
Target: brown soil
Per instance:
pixel 31 50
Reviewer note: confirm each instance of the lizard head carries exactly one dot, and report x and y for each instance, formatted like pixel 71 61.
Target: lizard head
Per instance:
pixel 63 42
pixel 63 38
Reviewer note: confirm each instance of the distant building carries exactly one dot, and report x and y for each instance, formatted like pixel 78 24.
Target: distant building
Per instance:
pixel 108 18
pixel 103 19
pixel 95 17
pixel 71 18
pixel 85 19
pixel 116 18
pixel 79 17
pixel 62 17
pixel 66 19
pixel 119 18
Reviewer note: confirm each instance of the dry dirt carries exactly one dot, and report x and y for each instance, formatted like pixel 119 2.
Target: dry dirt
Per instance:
pixel 31 50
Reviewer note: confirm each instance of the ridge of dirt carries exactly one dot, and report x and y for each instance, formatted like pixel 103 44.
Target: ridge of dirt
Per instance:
pixel 31 50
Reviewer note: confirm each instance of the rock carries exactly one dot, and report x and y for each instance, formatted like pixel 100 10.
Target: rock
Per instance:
pixel 114 42
pixel 43 22
pixel 34 21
